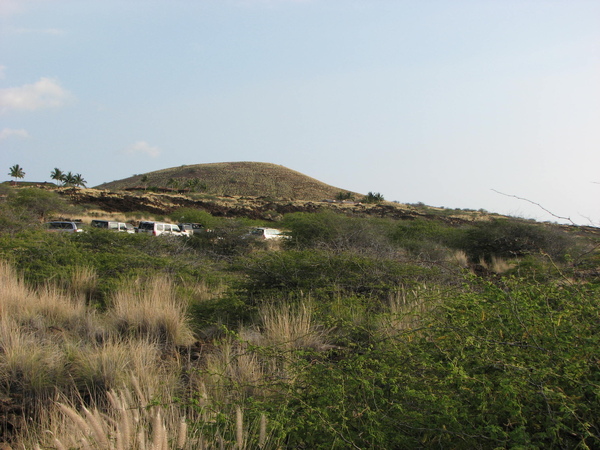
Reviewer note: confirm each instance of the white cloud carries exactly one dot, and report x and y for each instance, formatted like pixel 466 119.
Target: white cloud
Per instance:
pixel 9 132
pixel 45 93
pixel 2 71
pixel 142 147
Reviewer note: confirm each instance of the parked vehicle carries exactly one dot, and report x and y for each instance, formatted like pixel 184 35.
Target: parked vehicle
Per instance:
pixel 160 228
pixel 191 228
pixel 60 226
pixel 116 226
pixel 267 233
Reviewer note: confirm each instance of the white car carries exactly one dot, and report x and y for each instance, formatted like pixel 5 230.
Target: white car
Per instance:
pixel 116 226
pixel 268 233
pixel 191 228
pixel 160 228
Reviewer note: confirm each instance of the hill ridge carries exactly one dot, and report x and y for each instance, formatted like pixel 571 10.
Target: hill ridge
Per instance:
pixel 240 178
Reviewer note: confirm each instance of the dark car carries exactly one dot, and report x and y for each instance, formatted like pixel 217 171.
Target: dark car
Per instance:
pixel 63 226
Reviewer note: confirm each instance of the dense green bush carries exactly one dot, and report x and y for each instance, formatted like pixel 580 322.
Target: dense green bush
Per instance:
pixel 326 272
pixel 373 197
pixel 511 238
pixel 229 239
pixel 509 366
pixel 39 203
pixel 193 215
pixel 414 356
pixel 28 207
pixel 327 229
pixel 426 239
pixel 115 257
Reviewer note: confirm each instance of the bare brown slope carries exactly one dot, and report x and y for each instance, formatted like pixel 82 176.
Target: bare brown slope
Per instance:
pixel 252 179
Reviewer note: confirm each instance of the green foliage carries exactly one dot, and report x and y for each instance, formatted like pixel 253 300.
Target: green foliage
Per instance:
pixel 373 197
pixel 425 238
pixel 344 195
pixel 510 238
pixel 39 203
pixel 495 367
pixel 16 171
pixel 192 215
pixel 415 357
pixel 325 272
pixel 116 257
pixel 225 241
pixel 336 231
pixel 57 175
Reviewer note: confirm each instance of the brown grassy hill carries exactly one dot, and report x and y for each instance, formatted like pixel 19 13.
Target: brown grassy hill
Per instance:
pixel 253 179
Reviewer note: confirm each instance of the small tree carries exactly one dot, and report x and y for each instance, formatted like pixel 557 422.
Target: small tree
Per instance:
pixel 38 202
pixel 144 181
pixel 16 172
pixel 173 183
pixel 195 184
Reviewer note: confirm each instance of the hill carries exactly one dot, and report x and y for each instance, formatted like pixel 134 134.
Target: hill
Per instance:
pixel 253 179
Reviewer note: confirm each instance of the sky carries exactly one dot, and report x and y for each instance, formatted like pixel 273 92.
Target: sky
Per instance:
pixel 474 104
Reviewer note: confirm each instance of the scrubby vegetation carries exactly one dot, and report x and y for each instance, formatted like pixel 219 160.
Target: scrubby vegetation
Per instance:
pixel 355 332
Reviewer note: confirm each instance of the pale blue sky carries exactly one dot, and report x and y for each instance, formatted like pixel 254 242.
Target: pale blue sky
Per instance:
pixel 430 101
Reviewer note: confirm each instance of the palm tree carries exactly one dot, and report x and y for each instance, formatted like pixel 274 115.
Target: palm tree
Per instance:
pixel 78 180
pixel 57 175
pixel 16 171
pixel 69 179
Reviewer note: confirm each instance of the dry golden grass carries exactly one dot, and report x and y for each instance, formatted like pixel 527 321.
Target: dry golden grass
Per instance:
pixel 459 258
pixel 29 367
pixel 86 379
pixel 83 282
pixel 12 288
pixel 127 422
pixel 100 367
pixel 231 373
pixel 53 342
pixel 152 310
pixel 291 327
pixel 47 310
pixel 497 264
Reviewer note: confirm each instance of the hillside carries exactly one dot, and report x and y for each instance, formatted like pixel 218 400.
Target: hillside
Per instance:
pixel 396 314
pixel 253 179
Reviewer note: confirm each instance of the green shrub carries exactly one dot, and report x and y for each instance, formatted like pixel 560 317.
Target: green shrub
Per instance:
pixel 510 238
pixel 373 197
pixel 39 203
pixel 325 272
pixel 192 215
pixel 426 239
pixel 337 231
pixel 508 366
pixel 115 257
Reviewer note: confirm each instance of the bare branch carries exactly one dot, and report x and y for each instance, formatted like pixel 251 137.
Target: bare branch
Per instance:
pixel 536 204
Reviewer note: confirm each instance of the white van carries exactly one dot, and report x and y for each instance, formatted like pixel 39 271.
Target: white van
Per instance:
pixel 268 233
pixel 115 226
pixel 160 228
